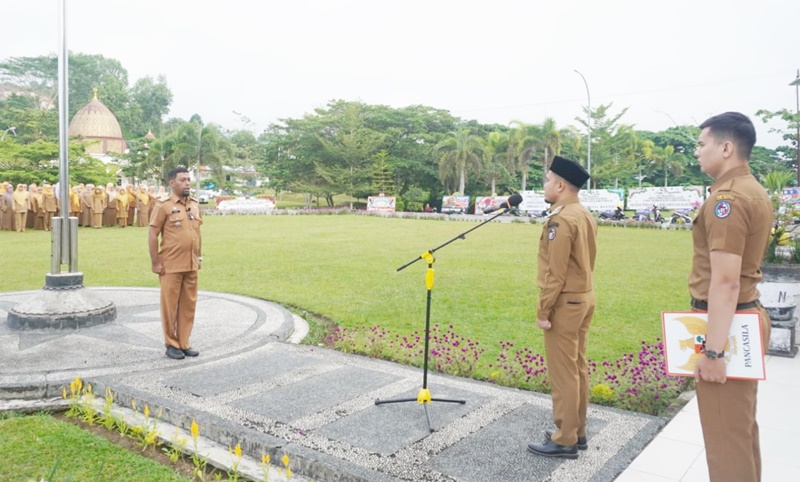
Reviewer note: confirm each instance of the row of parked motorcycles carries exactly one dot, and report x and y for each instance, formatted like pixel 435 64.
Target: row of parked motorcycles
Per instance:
pixel 653 215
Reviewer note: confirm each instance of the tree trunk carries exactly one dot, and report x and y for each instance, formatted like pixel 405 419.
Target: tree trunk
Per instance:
pixel 524 180
pixel 462 181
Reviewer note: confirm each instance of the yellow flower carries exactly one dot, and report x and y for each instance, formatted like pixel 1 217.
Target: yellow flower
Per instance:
pixel 602 393
pixel 78 383
pixel 195 429
pixel 238 450
pixel 288 473
pixel 285 460
pixel 146 410
pixel 63 392
pixel 265 459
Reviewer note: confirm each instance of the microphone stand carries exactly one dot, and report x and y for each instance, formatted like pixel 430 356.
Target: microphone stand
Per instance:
pixel 424 395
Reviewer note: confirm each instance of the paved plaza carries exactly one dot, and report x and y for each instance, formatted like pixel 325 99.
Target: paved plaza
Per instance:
pixel 252 384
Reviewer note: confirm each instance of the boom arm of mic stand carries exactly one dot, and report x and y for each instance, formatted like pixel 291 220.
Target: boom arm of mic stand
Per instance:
pixel 429 254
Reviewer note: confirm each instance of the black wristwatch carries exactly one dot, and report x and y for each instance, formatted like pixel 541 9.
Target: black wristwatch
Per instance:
pixel 714 355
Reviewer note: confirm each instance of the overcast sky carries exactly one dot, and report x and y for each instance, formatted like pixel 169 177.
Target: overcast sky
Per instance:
pixel 493 61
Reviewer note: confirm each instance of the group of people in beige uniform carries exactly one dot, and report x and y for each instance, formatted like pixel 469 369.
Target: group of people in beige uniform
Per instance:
pixel 33 207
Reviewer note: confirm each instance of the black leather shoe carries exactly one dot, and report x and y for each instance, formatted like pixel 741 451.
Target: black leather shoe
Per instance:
pixel 174 353
pixel 190 352
pixel 582 443
pixel 552 449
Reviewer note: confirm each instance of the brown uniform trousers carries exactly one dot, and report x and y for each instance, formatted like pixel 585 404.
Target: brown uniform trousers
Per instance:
pixel 728 417
pixel 178 302
pixel 179 223
pixel 567 252
pixel 736 218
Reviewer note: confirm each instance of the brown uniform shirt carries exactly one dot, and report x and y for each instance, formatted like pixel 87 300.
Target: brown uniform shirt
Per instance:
pixel 567 251
pixel 736 218
pixel 179 221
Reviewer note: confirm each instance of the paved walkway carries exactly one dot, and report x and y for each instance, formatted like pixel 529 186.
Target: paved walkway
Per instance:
pixel 251 385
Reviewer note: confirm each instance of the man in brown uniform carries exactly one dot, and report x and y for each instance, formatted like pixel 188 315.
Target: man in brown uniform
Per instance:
pixel 730 236
pixel 177 219
pixel 567 251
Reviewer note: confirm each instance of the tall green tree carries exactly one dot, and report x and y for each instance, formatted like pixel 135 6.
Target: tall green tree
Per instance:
pixel 789 153
pixel 350 145
pixel 459 153
pixel 522 145
pixel 495 159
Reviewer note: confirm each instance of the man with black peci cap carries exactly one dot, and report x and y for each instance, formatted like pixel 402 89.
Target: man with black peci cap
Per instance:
pixel 567 251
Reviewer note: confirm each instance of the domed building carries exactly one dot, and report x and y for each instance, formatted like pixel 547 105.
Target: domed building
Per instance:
pixel 95 122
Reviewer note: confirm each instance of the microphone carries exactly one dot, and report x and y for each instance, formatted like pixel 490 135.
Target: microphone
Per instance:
pixel 513 201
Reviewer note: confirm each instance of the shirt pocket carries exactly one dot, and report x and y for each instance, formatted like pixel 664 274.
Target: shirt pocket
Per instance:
pixel 176 220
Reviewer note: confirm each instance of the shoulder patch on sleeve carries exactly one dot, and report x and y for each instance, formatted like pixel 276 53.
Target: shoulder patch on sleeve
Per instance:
pixel 724 197
pixel 723 209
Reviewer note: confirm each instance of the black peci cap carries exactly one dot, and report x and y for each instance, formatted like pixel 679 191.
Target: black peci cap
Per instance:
pixel 571 171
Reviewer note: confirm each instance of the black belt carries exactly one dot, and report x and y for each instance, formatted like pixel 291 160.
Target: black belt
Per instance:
pixel 703 305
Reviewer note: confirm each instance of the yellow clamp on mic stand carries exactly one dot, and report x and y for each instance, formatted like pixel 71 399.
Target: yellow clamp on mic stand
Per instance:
pixel 424 396
pixel 428 257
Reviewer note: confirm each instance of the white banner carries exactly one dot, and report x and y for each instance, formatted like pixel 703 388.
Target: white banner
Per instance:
pixel 599 199
pixel 673 197
pixel 533 202
pixel 482 203
pixel 381 203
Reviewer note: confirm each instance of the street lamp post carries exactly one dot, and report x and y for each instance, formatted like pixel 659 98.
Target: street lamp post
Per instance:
pixel 796 84
pixel 589 128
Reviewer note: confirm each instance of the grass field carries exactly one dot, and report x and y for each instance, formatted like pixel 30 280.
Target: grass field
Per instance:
pixel 344 267
pixel 32 445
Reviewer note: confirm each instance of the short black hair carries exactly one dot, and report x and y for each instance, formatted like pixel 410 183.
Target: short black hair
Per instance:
pixel 173 173
pixel 735 127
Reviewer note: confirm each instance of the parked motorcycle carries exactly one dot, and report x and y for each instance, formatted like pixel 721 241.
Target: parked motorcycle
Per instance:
pixel 651 215
pixel 682 216
pixel 615 215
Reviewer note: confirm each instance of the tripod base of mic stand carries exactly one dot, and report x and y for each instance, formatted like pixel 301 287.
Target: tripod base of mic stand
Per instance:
pixel 423 397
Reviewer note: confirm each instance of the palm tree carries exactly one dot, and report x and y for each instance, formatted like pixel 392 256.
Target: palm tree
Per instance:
pixel 775 181
pixel 521 147
pixel 457 153
pixel 663 160
pixel 495 158
pixel 549 140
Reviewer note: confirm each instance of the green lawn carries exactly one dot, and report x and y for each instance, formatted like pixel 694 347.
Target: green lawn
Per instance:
pixel 30 447
pixel 344 267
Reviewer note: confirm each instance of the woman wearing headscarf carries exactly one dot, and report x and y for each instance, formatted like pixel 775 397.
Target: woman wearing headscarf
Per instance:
pixel 38 208
pixel 131 191
pixel 86 205
pixel 75 206
pixel 7 208
pixel 122 208
pixel 143 206
pixel 110 212
pixel 20 207
pixel 49 205
pixel 98 205
pixel 31 219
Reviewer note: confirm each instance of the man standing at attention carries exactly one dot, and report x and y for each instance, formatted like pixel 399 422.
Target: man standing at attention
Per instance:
pixel 730 236
pixel 567 251
pixel 176 218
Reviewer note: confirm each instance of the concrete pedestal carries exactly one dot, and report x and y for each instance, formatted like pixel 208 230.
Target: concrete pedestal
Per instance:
pixel 62 304
pixel 780 293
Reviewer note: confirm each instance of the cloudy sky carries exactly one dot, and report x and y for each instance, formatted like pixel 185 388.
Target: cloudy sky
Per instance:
pixel 493 61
